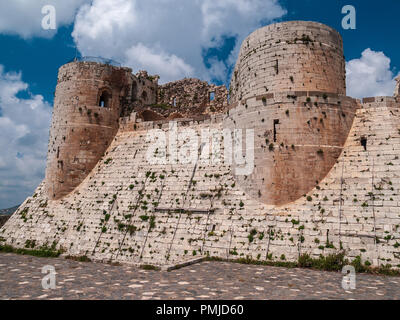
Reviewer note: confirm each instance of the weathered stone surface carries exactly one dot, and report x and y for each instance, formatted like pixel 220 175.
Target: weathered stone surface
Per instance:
pixel 3 219
pixel 298 139
pixel 397 89
pixel 81 128
pixel 289 56
pixel 193 96
pixel 330 181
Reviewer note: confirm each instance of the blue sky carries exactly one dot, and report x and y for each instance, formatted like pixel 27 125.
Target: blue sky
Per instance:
pixel 377 28
pixel 174 39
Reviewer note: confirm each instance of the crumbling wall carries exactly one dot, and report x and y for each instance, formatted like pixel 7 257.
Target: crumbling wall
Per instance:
pixel 143 92
pixel 146 91
pixel 191 97
pixel 397 89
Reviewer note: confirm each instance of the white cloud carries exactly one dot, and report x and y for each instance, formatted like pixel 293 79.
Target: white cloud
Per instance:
pixel 370 76
pixel 168 36
pixel 24 127
pixel 155 60
pixel 24 17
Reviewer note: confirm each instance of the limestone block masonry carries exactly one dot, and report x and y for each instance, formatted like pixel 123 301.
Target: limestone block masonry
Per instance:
pixel 289 85
pixel 81 128
pixel 326 167
pixel 290 56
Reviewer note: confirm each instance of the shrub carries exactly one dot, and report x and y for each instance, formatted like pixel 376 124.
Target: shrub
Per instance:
pixel 79 258
pixel 251 235
pixel 149 267
pixel 44 251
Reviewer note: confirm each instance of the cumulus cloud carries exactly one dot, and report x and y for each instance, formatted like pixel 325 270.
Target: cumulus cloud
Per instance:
pixel 24 127
pixel 168 36
pixel 370 75
pixel 154 60
pixel 24 17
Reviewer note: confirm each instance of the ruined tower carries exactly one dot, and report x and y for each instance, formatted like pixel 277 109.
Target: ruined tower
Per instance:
pixel 289 85
pixel 88 102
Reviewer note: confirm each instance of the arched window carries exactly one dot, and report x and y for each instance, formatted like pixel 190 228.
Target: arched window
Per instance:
pixel 105 99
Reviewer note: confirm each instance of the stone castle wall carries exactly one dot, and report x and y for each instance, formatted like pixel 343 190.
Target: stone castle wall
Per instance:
pixel 297 140
pixel 289 85
pixel 326 171
pixel 193 96
pixel 289 56
pixel 132 211
pixel 144 89
pixel 81 129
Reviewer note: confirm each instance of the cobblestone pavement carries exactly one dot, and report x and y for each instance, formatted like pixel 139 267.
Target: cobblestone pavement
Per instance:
pixel 21 278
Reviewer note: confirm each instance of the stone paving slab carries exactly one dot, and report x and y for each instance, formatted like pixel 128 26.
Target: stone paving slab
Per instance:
pixel 21 277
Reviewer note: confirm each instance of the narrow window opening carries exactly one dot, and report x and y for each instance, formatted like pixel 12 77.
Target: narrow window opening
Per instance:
pixel 277 66
pixel 144 95
pixel 276 122
pixel 134 91
pixel 174 102
pixel 212 96
pixel 104 101
pixel 364 142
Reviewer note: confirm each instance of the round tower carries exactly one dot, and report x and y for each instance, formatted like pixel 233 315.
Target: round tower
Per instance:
pixel 87 107
pixel 290 56
pixel 289 86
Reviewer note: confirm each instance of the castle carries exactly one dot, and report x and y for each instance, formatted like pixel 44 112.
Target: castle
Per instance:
pixel 325 174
